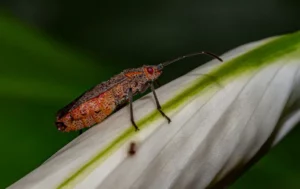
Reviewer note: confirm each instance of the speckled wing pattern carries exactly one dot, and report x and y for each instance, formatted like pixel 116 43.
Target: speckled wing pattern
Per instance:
pixel 92 93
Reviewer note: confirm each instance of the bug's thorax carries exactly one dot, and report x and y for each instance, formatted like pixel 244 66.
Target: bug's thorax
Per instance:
pixel 139 78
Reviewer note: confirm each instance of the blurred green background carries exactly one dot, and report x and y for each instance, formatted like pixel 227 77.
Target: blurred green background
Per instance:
pixel 52 51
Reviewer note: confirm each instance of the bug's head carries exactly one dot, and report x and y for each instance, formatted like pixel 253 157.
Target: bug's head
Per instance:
pixel 152 72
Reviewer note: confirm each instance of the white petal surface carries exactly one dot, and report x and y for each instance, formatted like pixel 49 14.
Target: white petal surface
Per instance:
pixel 214 129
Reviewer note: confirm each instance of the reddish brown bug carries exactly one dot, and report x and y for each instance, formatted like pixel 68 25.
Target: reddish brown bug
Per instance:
pixel 96 104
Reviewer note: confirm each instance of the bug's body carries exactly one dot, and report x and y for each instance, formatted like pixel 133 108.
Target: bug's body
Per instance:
pixel 96 104
pixel 99 102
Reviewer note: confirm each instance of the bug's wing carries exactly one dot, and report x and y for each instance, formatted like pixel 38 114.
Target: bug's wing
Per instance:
pixel 60 113
pixel 92 93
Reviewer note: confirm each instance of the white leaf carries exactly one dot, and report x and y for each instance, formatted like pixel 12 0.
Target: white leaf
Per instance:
pixel 214 130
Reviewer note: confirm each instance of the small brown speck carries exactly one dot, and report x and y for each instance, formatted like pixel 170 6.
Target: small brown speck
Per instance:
pixel 132 149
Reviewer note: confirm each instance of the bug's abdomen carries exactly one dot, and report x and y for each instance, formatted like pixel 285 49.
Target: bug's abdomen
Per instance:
pixel 90 112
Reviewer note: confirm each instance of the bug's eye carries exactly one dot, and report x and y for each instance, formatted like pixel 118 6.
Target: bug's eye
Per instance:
pixel 150 70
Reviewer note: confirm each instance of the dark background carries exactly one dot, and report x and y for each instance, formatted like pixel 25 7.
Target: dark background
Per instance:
pixel 52 51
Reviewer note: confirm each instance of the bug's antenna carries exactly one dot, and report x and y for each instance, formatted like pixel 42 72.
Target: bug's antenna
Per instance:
pixel 189 55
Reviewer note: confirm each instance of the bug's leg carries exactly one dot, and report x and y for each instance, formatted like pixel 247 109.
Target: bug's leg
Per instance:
pixel 131 110
pixel 158 105
pixel 80 132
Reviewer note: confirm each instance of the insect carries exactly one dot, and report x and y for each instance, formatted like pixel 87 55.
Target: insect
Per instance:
pixel 98 103
pixel 132 149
